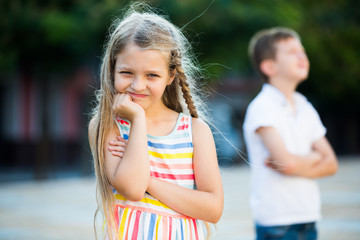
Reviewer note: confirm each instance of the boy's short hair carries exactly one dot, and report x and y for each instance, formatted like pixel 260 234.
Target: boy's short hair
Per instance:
pixel 262 45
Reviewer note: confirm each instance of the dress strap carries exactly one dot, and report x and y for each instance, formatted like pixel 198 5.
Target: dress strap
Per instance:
pixel 123 126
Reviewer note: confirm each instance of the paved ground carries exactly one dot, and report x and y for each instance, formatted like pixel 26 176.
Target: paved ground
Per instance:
pixel 63 209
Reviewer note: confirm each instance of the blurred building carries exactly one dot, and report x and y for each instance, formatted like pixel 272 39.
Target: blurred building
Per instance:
pixel 228 104
pixel 43 124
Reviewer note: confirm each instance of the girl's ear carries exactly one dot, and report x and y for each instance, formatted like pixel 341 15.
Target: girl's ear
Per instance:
pixel 267 67
pixel 172 76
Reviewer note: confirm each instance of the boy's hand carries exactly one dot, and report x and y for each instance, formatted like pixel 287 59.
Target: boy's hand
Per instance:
pixel 117 147
pixel 274 165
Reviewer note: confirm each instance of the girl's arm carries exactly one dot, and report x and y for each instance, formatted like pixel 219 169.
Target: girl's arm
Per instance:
pixel 130 174
pixel 206 202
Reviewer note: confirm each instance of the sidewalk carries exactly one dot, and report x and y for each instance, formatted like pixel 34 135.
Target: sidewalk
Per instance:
pixel 64 209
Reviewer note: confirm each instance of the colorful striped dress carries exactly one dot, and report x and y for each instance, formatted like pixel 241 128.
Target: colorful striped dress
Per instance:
pixel 171 160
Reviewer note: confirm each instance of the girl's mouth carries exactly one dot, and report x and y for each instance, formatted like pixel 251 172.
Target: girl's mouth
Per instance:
pixel 136 95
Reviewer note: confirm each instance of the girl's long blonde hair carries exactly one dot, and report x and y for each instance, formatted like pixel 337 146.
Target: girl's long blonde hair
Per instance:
pixel 147 30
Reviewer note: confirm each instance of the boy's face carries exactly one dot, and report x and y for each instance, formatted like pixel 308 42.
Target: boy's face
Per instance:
pixel 291 61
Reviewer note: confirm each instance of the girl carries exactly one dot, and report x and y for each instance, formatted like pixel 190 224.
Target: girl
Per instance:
pixel 161 179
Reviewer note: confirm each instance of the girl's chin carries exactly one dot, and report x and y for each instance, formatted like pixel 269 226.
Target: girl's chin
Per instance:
pixel 140 103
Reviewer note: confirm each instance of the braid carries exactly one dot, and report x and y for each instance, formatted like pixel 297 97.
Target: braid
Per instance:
pixel 181 77
pixel 186 92
pixel 170 98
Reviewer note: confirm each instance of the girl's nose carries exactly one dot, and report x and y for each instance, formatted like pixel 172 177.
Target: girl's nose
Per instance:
pixel 138 84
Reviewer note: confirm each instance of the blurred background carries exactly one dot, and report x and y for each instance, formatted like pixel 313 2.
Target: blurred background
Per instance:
pixel 50 52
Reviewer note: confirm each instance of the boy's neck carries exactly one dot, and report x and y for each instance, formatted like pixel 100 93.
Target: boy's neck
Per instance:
pixel 287 87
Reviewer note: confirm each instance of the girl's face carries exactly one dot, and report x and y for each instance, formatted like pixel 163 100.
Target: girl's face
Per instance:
pixel 143 74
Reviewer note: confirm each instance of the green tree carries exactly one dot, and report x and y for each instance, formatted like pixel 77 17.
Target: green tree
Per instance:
pixel 45 41
pixel 41 39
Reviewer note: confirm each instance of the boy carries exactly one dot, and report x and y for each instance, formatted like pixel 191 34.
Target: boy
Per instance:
pixel 285 140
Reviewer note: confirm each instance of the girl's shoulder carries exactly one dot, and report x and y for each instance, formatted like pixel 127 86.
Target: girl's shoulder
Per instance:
pixel 92 131
pixel 200 128
pixel 197 122
pixel 92 124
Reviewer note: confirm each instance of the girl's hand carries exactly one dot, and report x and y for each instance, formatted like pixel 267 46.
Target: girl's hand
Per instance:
pixel 117 147
pixel 125 107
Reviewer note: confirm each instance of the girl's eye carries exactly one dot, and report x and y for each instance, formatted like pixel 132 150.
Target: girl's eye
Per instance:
pixel 125 73
pixel 152 75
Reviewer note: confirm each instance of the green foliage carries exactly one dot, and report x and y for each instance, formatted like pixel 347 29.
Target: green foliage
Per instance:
pixel 53 35
pixel 226 26
pixel 58 35
pixel 330 31
pixel 331 36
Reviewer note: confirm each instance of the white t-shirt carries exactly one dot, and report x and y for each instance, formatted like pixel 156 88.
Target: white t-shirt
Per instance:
pixel 278 199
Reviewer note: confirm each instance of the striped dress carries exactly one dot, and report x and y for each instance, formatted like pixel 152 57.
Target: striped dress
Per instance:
pixel 171 160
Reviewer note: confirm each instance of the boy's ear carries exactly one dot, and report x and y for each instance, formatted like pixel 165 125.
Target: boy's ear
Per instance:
pixel 267 67
pixel 172 76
